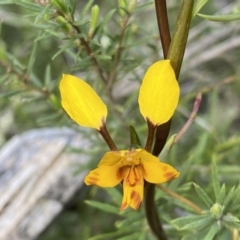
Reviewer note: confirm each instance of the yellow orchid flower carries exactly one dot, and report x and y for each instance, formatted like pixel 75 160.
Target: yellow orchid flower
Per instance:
pixel 131 167
pixel 158 98
pixel 159 93
pixel 82 103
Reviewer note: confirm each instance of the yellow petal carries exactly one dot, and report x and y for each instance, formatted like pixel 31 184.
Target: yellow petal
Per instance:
pixel 132 194
pixel 159 93
pixel 104 176
pixel 82 103
pixel 110 159
pixel 155 171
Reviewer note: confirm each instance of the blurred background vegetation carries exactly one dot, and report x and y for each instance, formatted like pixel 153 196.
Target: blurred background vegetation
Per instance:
pixel 38 45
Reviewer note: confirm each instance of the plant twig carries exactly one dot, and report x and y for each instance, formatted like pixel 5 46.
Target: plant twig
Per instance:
pixel 151 130
pixel 89 51
pixel 190 119
pixel 24 79
pixel 106 136
pixel 152 213
pixel 163 26
pixel 180 198
pixel 162 130
pixel 118 53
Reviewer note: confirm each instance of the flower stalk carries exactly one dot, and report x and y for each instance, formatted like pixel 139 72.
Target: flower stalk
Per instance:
pixel 107 138
pixel 175 53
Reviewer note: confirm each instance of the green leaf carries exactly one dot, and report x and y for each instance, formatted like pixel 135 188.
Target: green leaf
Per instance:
pixel 59 5
pixel 32 59
pixel 129 236
pixel 35 81
pixel 0 27
pixel 181 222
pixel 199 223
pixel 62 49
pixel 229 197
pixel 2 2
pixel 230 218
pixel 115 194
pixel 135 140
pixel 136 43
pixel 167 147
pixel 87 7
pixel 232 225
pixel 3 78
pixel 202 194
pixel 236 196
pixel 112 235
pixel 222 194
pixel 180 204
pixel 215 180
pixel 42 14
pixel 47 76
pixel 198 6
pixel 103 57
pixel 104 21
pixel 184 170
pixel 221 18
pixel 72 6
pixel 10 93
pixel 131 219
pixel 28 5
pixel 103 206
pixel 212 232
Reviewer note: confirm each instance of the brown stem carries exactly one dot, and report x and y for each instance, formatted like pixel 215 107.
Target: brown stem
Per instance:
pixel 151 130
pixel 25 80
pixel 162 130
pixel 106 136
pixel 190 119
pixel 91 54
pixel 118 52
pixel 161 137
pixel 163 26
pixel 152 214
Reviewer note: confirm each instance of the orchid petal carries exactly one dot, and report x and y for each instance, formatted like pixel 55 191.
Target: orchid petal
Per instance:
pixel 132 194
pixel 159 93
pixel 82 103
pixel 104 176
pixel 155 171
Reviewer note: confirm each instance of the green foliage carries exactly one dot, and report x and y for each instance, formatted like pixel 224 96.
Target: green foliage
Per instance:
pixel 110 44
pixel 221 18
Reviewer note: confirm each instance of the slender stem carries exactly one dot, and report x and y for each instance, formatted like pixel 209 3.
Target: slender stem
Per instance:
pixel 190 119
pixel 152 214
pixel 180 198
pixel 163 26
pixel 150 138
pixel 106 136
pixel 25 80
pixel 161 137
pixel 91 54
pixel 118 52
pixel 162 130
pixel 179 38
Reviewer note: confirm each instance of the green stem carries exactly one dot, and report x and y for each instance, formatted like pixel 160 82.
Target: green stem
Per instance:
pixel 180 35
